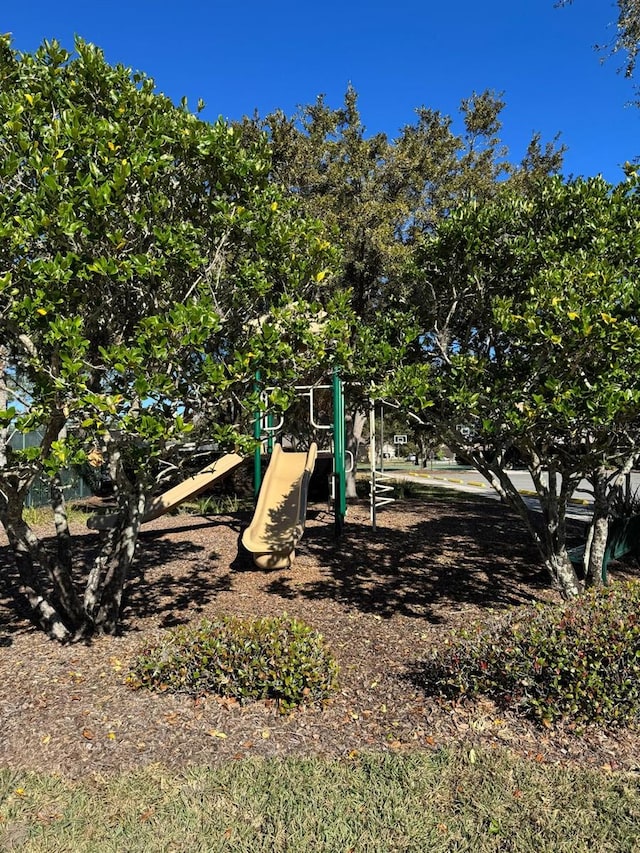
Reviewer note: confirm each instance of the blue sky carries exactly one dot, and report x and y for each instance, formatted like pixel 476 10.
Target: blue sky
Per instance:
pixel 243 55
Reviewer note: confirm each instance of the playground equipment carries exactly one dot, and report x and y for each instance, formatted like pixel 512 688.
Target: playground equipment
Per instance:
pixel 281 500
pixel 265 432
pixel 279 518
pixel 379 491
pixel 172 498
pixel 192 486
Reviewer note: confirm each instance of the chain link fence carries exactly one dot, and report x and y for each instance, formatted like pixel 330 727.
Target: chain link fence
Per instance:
pixel 74 484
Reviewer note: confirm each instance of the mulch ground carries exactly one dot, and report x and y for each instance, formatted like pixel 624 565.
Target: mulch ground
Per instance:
pixel 380 599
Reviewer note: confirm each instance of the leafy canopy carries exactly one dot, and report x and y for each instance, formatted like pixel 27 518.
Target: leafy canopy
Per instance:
pixel 148 267
pixel 529 308
pixel 136 243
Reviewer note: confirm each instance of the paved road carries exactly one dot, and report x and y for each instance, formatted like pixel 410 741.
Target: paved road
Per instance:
pixel 468 480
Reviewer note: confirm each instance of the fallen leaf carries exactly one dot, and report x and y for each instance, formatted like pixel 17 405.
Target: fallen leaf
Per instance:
pixel 216 733
pixel 87 733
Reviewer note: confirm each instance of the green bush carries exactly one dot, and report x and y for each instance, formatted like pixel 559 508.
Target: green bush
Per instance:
pixel 279 658
pixel 578 661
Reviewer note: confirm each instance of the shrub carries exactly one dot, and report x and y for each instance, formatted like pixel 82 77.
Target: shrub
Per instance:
pixel 278 658
pixel 405 490
pixel 578 661
pixel 626 503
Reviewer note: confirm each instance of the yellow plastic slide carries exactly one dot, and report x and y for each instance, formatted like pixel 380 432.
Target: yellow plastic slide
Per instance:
pixel 189 488
pixel 192 486
pixel 278 522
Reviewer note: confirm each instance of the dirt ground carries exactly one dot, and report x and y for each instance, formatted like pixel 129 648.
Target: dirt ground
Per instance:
pixel 380 599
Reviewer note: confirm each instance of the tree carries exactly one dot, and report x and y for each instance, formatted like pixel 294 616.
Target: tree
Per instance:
pixel 148 268
pixel 627 37
pixel 530 342
pixel 375 195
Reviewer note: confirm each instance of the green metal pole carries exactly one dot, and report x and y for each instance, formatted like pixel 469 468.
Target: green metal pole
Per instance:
pixel 270 433
pixel 257 434
pixel 340 504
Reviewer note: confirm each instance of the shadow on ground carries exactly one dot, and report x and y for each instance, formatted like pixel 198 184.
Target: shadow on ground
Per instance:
pixel 172 577
pixel 428 559
pixel 461 553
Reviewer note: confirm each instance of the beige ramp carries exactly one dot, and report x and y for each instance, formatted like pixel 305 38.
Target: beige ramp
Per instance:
pixel 192 486
pixel 189 488
pixel 278 522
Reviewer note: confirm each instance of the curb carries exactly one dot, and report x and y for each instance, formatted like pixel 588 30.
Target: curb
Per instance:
pixel 475 483
pixel 480 485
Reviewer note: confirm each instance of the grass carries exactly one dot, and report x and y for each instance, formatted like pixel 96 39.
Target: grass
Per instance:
pixel 216 505
pixel 39 516
pixel 416 490
pixel 456 800
pixel 459 799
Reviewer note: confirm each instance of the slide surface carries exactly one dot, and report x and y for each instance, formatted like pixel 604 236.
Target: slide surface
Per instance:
pixel 278 522
pixel 192 486
pixel 172 498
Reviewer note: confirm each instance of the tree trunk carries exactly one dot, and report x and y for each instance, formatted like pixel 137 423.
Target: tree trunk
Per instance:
pixel 28 554
pixel 62 568
pixel 550 537
pixel 4 401
pixel 46 576
pixel 355 425
pixel 424 447
pixel 563 574
pixel 598 531
pixel 116 566
pixel 554 497
pixel 57 608
pixel 595 551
